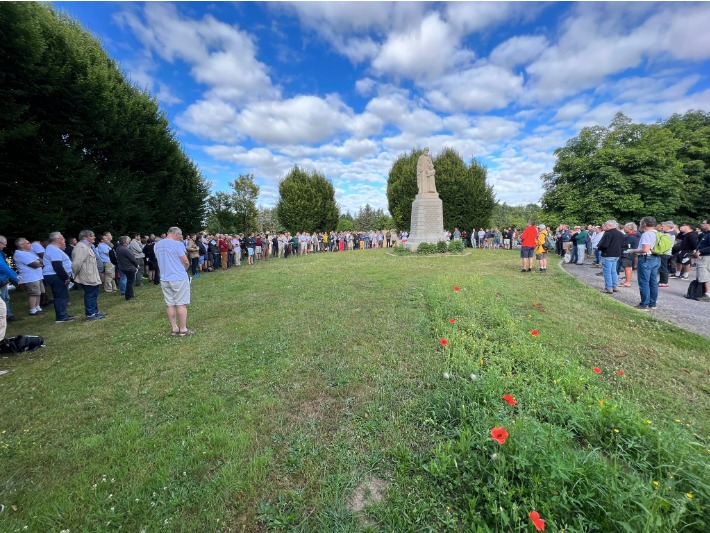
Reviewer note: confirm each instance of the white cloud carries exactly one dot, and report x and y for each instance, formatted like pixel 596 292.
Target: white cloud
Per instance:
pixel 518 50
pixel 306 119
pixel 221 56
pixel 421 53
pixel 480 88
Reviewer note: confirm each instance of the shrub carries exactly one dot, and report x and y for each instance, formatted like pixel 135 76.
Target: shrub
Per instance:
pixel 399 249
pixel 441 247
pixel 456 247
pixel 426 248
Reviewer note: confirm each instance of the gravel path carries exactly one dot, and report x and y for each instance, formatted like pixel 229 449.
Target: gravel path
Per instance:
pixel 672 306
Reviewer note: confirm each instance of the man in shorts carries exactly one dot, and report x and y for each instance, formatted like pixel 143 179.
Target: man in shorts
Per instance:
pixel 29 266
pixel 171 256
pixel 529 238
pixel 703 255
pixel 540 250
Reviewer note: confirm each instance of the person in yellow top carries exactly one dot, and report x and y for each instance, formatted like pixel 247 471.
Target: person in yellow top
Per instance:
pixel 540 251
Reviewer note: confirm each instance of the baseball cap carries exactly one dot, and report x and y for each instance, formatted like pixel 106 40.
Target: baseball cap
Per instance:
pixel 541 226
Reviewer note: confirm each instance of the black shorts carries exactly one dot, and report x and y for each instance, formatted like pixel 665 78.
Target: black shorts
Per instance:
pixel 626 261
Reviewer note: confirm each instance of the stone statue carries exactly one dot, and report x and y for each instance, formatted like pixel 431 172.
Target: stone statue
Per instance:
pixel 425 173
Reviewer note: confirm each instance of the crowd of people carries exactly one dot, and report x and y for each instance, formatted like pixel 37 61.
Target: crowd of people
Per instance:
pixel 658 253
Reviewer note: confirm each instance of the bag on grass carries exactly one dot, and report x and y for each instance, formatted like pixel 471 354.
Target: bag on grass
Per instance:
pixel 695 290
pixel 21 343
pixel 568 257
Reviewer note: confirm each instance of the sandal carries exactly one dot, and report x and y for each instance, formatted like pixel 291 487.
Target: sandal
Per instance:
pixel 186 332
pixel 174 333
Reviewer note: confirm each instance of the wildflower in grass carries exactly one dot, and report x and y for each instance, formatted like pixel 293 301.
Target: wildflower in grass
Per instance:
pixel 619 372
pixel 656 483
pixel 649 422
pixel 535 333
pixel 554 382
pixel 538 522
pixel 689 495
pixel 616 430
pixel 456 288
pixel 481 362
pixel 677 420
pixel 597 370
pixel 499 435
pixel 452 320
pixel 494 457
pixel 473 377
pixel 601 403
pixel 443 342
pixel 447 375
pixel 508 398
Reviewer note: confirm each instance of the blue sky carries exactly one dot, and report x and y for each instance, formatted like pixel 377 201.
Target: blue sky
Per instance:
pixel 346 87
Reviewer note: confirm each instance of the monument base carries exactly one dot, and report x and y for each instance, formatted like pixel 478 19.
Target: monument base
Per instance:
pixel 427 221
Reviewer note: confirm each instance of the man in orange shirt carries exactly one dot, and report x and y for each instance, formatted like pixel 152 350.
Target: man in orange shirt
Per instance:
pixel 528 238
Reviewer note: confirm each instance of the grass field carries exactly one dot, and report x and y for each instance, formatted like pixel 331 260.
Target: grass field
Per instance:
pixel 316 396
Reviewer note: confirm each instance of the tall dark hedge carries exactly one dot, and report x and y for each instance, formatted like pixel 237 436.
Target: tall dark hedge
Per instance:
pixel 307 202
pixel 80 146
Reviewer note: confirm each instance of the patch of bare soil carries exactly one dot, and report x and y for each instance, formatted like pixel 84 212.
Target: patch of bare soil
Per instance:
pixel 366 493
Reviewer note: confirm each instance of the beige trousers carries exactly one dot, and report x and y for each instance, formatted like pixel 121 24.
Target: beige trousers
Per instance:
pixel 110 277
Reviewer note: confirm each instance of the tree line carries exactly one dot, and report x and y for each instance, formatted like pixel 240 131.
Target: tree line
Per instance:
pixel 627 171
pixel 80 145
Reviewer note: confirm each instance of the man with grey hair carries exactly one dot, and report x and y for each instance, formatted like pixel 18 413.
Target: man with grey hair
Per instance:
pixel 171 255
pixel 668 228
pixel 57 273
pixel 127 264
pixel 85 268
pixel 610 247
pixel 648 264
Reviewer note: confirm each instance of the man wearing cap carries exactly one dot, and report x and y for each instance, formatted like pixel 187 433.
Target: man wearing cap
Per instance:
pixel 540 250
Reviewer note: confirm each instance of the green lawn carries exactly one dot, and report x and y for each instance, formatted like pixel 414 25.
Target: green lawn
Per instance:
pixel 313 397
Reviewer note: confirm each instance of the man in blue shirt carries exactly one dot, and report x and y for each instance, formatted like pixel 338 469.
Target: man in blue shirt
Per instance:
pixel 109 273
pixel 30 267
pixel 57 273
pixel 171 255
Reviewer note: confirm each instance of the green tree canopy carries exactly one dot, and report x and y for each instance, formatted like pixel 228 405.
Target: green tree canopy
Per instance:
pixel 468 199
pixel 369 218
pixel 307 202
pixel 83 146
pixel 625 171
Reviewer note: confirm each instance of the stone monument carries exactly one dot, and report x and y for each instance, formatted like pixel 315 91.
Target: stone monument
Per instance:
pixel 427 208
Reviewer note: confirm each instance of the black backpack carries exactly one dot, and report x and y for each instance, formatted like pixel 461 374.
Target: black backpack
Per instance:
pixel 112 257
pixel 695 290
pixel 21 343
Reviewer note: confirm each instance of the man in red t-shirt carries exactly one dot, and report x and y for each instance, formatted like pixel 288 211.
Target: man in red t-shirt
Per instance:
pixel 223 250
pixel 527 251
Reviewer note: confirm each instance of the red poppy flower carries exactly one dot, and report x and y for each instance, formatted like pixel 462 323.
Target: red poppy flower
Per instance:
pixel 597 370
pixel 452 320
pixel 619 372
pixel 456 288
pixel 534 333
pixel 508 398
pixel 538 522
pixel 499 435
pixel 443 342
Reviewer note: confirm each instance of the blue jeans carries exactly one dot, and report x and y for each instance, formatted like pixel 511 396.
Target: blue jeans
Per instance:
pixel 122 283
pixel 648 279
pixel 597 257
pixel 130 278
pixel 61 296
pixel 611 276
pixel 91 299
pixel 5 295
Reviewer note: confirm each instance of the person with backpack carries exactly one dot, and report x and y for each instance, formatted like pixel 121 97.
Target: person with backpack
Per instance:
pixel 610 247
pixel 648 264
pixel 703 255
pixel 667 229
pixel 542 246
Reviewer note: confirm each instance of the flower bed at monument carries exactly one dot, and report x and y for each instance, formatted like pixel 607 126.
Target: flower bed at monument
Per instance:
pixel 526 438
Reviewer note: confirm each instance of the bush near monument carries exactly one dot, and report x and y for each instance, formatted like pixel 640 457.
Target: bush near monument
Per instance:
pixel 307 202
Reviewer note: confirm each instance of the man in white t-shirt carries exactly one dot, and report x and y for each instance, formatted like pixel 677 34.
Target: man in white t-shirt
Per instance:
pixel 171 255
pixel 29 266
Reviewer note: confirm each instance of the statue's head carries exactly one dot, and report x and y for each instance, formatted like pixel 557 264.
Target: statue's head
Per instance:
pixel 426 151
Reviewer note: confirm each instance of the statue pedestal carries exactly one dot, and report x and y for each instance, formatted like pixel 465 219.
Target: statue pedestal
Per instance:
pixel 427 220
